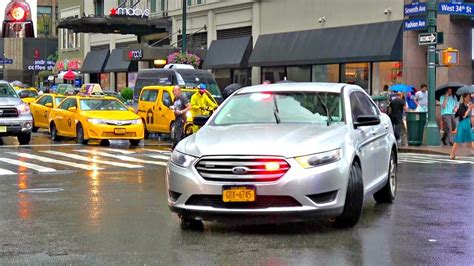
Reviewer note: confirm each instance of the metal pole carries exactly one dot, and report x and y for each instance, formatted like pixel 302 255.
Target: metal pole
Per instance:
pixel 431 135
pixel 183 33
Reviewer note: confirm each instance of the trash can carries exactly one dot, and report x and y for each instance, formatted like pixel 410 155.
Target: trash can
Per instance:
pixel 415 125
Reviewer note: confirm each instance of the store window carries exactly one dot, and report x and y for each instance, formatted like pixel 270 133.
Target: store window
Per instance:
pixel 358 74
pixel 105 81
pixel 242 76
pixel 385 73
pixel 273 74
pixel 153 6
pixel 222 77
pixel 299 73
pixel 325 73
pixel 69 39
pixel 121 81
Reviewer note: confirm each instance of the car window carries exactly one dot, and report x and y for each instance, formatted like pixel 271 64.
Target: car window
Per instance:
pixel 29 93
pixel 153 95
pixel 6 91
pixel 42 100
pixel 45 99
pixel 194 78
pixel 145 95
pixel 166 98
pixel 68 103
pixel 361 105
pixel 102 105
pixel 58 100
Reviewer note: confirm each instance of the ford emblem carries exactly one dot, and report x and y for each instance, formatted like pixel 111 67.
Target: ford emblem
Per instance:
pixel 240 170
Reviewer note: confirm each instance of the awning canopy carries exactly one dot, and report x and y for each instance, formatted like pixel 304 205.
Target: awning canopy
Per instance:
pixel 359 43
pixel 228 53
pixel 95 61
pixel 121 25
pixel 116 62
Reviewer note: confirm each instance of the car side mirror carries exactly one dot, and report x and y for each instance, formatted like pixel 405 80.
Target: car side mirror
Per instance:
pixel 72 109
pixel 200 120
pixel 50 105
pixel 366 120
pixel 23 95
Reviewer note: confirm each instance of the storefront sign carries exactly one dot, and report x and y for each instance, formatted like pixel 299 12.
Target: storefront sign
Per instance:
pixel 456 8
pixel 40 65
pixel 129 12
pixel 135 54
pixel 414 9
pixel 67 64
pixel 415 24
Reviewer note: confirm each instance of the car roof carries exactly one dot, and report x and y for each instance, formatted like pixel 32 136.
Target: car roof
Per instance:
pixel 295 86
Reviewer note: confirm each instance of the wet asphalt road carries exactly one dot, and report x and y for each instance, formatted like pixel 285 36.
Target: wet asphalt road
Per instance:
pixel 119 215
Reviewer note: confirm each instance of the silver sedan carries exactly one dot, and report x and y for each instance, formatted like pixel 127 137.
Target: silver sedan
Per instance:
pixel 285 152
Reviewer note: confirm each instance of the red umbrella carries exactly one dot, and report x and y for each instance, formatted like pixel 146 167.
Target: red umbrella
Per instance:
pixel 69 75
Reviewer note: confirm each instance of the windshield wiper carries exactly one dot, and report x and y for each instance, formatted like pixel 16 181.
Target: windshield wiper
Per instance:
pixel 276 110
pixel 325 110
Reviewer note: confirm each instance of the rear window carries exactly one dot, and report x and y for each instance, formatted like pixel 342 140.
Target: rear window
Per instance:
pixel 30 93
pixel 6 91
pixel 193 78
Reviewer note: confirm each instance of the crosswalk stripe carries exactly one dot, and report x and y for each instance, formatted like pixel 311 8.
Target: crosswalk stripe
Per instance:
pixel 118 150
pixel 6 172
pixel 36 167
pixel 122 157
pixel 434 161
pixel 93 160
pixel 438 158
pixel 158 151
pixel 160 157
pixel 56 161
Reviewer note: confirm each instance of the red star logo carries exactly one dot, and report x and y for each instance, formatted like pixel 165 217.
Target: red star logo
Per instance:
pixel 113 12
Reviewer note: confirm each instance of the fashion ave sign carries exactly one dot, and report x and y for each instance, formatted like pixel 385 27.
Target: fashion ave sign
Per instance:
pixel 129 12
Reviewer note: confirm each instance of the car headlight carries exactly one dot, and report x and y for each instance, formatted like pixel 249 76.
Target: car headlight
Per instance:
pixel 96 121
pixel 136 121
pixel 23 109
pixel 318 159
pixel 181 159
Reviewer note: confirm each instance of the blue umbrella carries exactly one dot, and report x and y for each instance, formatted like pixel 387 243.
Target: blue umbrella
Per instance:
pixel 401 88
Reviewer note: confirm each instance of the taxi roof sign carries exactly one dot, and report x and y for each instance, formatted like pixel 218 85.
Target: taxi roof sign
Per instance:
pixel 91 89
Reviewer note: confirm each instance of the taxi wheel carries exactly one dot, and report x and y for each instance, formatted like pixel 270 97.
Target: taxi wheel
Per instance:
pixel 34 129
pixel 54 132
pixel 135 142
pixel 80 135
pixel 104 143
pixel 24 138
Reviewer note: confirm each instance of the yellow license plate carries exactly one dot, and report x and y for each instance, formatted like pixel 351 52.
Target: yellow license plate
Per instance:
pixel 3 129
pixel 120 131
pixel 238 193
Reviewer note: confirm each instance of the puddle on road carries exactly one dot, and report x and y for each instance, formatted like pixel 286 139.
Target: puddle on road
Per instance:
pixel 40 190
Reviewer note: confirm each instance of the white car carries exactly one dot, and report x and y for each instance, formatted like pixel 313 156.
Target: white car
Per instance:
pixel 285 152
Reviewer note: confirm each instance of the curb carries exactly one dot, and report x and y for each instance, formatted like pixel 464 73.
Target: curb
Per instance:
pixel 421 151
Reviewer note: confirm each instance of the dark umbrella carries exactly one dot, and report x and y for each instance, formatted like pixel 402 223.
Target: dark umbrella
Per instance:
pixel 465 89
pixel 231 89
pixel 441 90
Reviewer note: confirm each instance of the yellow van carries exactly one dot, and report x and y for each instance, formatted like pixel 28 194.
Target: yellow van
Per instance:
pixel 154 109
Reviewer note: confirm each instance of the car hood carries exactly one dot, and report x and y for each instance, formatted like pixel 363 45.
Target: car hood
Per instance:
pixel 288 140
pixel 111 115
pixel 10 101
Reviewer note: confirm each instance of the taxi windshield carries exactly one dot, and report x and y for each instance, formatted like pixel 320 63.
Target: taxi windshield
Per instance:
pixel 58 100
pixel 29 93
pixel 6 91
pixel 101 105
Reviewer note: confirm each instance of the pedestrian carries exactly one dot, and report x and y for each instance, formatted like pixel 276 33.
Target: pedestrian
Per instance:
pixel 181 106
pixel 421 99
pixel 395 110
pixel 411 102
pixel 448 109
pixel 464 131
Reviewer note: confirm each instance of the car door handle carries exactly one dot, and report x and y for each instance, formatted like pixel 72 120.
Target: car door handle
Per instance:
pixel 159 108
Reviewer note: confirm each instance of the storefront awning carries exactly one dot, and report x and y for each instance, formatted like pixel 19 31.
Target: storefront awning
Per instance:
pixel 116 63
pixel 95 61
pixel 228 53
pixel 359 43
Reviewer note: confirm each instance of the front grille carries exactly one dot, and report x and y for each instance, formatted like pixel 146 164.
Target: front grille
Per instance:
pixel 118 122
pixel 8 112
pixel 261 202
pixel 126 135
pixel 241 169
pixel 325 197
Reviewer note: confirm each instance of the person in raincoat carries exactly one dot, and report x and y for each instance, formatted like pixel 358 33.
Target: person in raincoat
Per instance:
pixel 201 104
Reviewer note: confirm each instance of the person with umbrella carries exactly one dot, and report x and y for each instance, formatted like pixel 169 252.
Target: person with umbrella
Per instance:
pixel 448 108
pixel 464 132
pixel 231 89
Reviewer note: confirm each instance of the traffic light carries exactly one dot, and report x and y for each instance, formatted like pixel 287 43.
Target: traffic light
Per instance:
pixel 449 57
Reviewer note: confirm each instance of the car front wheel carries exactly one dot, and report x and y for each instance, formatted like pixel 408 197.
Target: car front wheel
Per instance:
pixel 54 132
pixel 24 138
pixel 134 142
pixel 388 192
pixel 80 135
pixel 354 200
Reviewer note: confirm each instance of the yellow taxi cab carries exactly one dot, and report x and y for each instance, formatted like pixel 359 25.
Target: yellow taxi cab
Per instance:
pixel 154 109
pixel 87 117
pixel 27 95
pixel 41 109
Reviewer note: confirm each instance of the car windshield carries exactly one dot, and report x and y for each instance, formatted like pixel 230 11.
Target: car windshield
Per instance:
pixel 281 107
pixel 58 100
pixel 29 93
pixel 193 79
pixel 6 91
pixel 101 105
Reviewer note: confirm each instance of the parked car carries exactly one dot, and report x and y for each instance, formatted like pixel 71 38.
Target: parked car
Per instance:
pixel 15 116
pixel 285 152
pixel 184 77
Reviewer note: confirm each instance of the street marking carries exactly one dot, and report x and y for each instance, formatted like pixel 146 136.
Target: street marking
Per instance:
pixel 56 161
pixel 122 157
pixel 36 167
pixel 429 158
pixel 119 151
pixel 160 157
pixel 92 159
pixel 6 172
pixel 40 145
pixel 158 151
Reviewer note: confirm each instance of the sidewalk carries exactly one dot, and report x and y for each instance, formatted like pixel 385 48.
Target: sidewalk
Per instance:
pixel 440 150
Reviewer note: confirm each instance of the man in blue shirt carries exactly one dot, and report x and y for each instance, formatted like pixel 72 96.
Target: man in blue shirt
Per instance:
pixel 448 105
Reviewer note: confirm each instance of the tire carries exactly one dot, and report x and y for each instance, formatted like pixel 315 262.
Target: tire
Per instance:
pixel 54 132
pixel 147 133
pixel 104 143
pixel 354 200
pixel 80 135
pixel 389 191
pixel 134 142
pixel 191 224
pixel 24 138
pixel 34 129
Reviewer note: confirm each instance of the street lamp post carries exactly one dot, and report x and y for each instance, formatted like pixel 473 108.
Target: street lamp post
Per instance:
pixel 183 34
pixel 431 135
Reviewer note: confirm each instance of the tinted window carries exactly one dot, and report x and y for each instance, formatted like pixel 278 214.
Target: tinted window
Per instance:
pixel 68 103
pixel 166 98
pixel 6 91
pixel 45 99
pixel 361 105
pixel 58 100
pixel 149 95
pixel 144 96
pixel 29 93
pixel 193 78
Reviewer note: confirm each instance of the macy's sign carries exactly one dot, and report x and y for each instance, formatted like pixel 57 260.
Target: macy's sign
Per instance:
pixel 130 12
